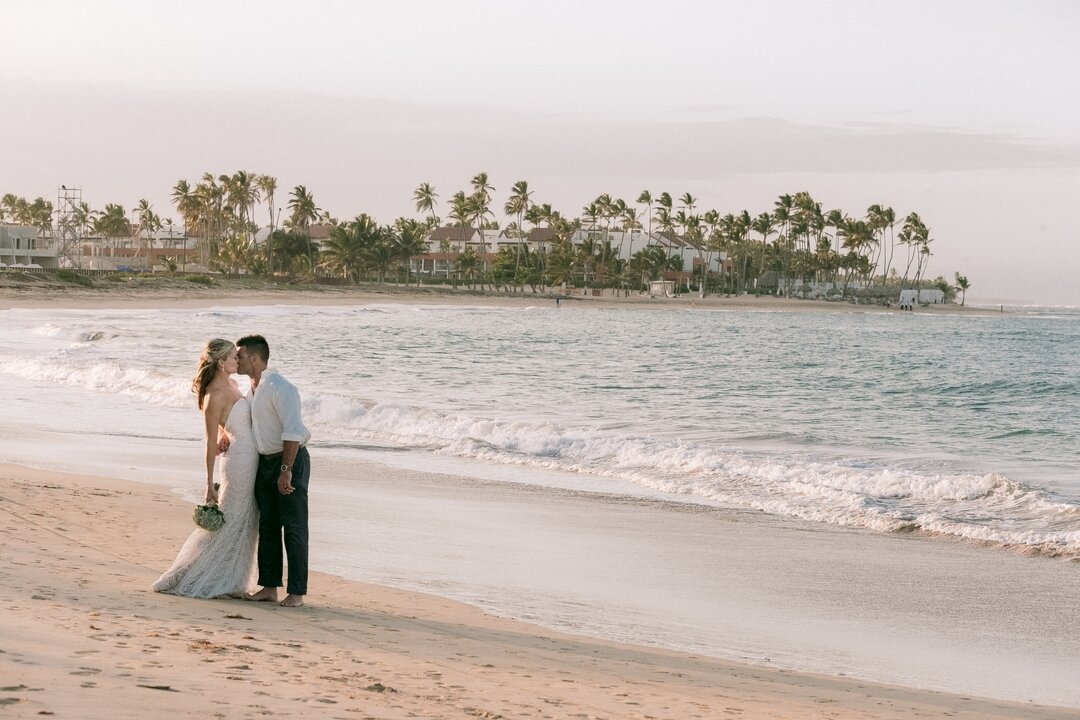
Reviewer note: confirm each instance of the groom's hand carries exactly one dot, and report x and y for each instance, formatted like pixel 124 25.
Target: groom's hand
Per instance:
pixel 222 440
pixel 284 483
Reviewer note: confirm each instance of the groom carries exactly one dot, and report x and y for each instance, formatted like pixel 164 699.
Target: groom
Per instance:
pixel 281 482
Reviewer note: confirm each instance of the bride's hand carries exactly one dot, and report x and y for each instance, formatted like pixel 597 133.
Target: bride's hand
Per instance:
pixel 211 495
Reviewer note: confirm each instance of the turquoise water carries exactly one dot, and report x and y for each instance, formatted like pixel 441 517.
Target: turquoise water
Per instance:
pixel 959 425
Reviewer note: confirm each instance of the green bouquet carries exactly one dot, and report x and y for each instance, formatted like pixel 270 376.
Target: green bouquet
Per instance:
pixel 209 517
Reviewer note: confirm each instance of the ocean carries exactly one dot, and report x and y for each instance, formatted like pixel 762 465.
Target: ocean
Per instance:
pixel 951 433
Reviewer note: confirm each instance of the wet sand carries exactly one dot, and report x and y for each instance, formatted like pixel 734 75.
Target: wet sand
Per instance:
pixel 83 636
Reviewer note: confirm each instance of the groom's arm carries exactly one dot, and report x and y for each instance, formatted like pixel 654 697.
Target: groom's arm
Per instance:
pixel 288 457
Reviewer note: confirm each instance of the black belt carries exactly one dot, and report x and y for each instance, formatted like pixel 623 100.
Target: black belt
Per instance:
pixel 273 456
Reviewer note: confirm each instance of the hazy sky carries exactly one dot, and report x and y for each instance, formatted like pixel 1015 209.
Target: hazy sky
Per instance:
pixel 966 112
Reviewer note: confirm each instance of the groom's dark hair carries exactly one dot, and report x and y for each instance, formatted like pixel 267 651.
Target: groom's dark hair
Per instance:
pixel 256 344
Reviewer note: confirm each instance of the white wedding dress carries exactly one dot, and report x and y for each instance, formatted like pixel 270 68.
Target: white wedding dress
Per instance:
pixel 222 562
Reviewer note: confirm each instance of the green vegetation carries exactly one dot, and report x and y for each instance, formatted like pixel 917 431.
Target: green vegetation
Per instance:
pixel 790 248
pixel 74 277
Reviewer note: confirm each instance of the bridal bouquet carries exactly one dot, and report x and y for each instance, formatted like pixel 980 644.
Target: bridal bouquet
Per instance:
pixel 209 517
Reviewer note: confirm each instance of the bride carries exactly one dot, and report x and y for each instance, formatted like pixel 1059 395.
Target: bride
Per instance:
pixel 221 563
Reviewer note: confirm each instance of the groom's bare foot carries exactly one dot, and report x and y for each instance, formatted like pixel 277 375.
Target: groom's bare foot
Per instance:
pixel 292 601
pixel 267 594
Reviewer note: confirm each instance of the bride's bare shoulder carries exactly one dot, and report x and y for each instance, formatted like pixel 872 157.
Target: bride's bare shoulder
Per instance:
pixel 219 397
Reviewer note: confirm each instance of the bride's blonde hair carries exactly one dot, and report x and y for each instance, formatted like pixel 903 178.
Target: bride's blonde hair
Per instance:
pixel 214 352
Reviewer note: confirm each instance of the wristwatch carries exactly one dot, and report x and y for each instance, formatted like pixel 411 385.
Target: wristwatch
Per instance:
pixel 286 468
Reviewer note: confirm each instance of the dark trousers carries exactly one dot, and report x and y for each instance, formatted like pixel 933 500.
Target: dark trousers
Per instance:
pixel 283 516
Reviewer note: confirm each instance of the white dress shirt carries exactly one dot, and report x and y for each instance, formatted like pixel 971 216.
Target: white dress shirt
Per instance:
pixel 275 414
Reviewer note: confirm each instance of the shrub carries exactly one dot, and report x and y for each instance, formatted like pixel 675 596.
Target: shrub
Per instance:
pixel 200 279
pixel 74 277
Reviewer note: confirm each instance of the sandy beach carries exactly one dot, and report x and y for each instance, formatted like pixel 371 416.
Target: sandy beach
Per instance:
pixel 85 637
pixel 135 292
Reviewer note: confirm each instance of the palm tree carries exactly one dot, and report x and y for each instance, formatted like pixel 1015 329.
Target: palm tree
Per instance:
pixel 836 220
pixel 663 213
pixel 911 235
pixel 646 199
pixel 149 221
pixel 209 198
pixel 467 263
pixel 962 285
pixel 858 240
pixel 291 248
pixel 518 203
pixel 7 207
pixel 688 201
pixel 479 203
pixel 112 223
pixel 763 225
pixel 303 212
pixel 426 199
pixel 409 237
pixel 268 186
pixel 880 219
pixel 40 215
pixel 242 190
pixel 347 246
pixel 187 204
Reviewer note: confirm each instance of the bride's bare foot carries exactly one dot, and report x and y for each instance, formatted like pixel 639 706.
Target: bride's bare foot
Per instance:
pixel 267 594
pixel 292 601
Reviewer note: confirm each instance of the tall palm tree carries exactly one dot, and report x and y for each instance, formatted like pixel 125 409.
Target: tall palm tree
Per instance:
pixel 186 203
pixel 518 204
pixel 210 197
pixel 912 233
pixel 480 202
pixel 763 225
pixel 149 221
pixel 302 213
pixel 663 212
pixel 646 199
pixel 268 187
pixel 426 199
pixel 243 193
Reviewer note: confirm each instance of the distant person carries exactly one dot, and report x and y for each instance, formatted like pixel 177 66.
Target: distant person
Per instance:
pixel 281 481
pixel 220 563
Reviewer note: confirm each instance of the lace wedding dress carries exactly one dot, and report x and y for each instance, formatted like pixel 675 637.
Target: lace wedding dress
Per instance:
pixel 223 562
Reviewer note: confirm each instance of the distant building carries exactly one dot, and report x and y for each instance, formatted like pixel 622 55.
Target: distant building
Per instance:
pixel 141 250
pixel 922 296
pixel 21 247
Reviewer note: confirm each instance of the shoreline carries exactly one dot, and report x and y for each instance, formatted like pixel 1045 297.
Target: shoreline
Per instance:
pixel 83 631
pixel 144 293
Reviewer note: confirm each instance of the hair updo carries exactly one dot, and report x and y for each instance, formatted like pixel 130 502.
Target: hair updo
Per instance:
pixel 214 352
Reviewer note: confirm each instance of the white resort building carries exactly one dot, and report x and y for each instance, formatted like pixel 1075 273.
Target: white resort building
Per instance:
pixel 21 248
